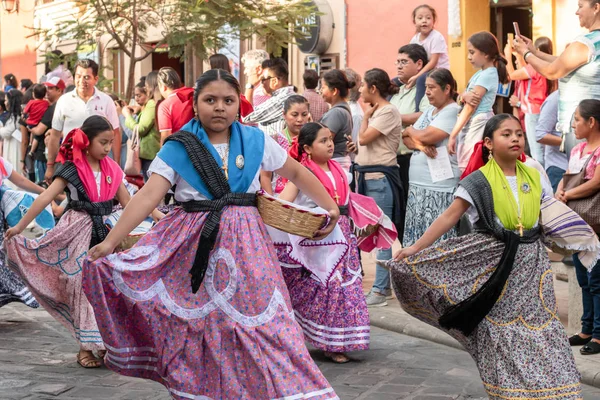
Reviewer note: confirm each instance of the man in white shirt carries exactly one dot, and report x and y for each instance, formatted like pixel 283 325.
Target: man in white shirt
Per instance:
pixel 74 107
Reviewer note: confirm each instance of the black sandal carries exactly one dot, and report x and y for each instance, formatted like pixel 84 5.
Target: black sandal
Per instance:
pixel 577 340
pixel 590 348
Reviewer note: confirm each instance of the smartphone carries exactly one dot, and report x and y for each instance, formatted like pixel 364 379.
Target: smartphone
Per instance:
pixel 517 31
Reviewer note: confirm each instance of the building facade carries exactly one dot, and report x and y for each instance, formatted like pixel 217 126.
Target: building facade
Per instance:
pixel 360 34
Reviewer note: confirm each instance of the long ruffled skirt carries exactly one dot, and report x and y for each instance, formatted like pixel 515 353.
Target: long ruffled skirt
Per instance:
pixel 236 338
pixel 333 317
pixel 51 268
pixel 521 348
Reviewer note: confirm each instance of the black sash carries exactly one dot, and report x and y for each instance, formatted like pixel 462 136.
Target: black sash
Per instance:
pixel 212 175
pixel 68 171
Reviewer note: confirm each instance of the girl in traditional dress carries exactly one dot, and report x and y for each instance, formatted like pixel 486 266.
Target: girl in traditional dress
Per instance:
pixel 493 289
pixel 51 265
pixel 12 287
pixel 334 316
pixel 232 335
pixel 296 114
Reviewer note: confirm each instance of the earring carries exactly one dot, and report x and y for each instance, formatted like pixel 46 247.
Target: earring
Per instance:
pixel 309 157
pixel 490 156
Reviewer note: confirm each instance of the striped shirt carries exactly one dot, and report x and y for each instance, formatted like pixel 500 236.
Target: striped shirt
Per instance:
pixel 269 115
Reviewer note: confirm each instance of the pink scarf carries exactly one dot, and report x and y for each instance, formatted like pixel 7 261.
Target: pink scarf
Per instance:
pixel 72 149
pixel 340 192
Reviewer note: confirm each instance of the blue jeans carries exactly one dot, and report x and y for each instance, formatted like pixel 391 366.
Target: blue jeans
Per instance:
pixel 590 291
pixel 380 190
pixel 555 175
pixel 40 170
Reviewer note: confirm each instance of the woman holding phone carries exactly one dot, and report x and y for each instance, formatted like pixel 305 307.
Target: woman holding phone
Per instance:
pixel 577 68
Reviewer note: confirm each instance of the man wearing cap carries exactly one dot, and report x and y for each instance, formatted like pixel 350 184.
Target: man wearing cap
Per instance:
pixel 54 90
pixel 74 107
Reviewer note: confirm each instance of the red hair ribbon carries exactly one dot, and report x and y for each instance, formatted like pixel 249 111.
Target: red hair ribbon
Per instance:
pixel 294 150
pixel 73 146
pixel 476 160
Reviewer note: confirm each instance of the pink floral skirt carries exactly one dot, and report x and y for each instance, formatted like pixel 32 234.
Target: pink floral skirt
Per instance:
pixel 51 268
pixel 333 317
pixel 236 338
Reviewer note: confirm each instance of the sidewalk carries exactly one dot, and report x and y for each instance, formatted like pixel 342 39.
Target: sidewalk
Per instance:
pixel 392 317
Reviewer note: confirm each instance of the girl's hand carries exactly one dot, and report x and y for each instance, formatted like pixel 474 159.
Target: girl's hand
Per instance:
pixel 411 82
pixel 508 51
pixel 371 110
pixel 12 232
pixel 514 101
pixel 471 98
pixel 407 252
pixel 561 196
pixel 101 250
pixel 334 215
pixel 157 215
pixel 523 44
pixel 126 111
pixel 452 145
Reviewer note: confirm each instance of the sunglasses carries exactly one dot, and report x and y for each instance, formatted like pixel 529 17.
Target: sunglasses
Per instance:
pixel 268 78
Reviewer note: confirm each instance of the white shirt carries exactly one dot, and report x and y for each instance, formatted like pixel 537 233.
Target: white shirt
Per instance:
pixel 274 157
pixel 435 43
pixel 71 111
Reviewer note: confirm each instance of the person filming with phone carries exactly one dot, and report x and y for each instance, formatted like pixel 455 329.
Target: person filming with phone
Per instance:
pixel 577 68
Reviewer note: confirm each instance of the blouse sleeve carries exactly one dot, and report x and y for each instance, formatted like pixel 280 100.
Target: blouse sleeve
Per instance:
pixel 161 168
pixel 274 155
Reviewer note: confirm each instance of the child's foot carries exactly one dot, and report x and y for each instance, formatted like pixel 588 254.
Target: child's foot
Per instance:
pixel 338 358
pixel 86 359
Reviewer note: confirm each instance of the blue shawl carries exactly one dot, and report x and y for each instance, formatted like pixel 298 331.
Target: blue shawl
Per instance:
pixel 245 140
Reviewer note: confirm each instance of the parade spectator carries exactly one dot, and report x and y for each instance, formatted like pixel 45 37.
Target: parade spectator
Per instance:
pixel 424 17
pixel 586 127
pixel 126 133
pixel 335 88
pixel 26 87
pixel 220 61
pixel 428 199
pixel 10 134
pixel 55 88
pixel 534 89
pixel 269 115
pixel 76 106
pixel 577 68
pixel 10 82
pixel 378 176
pixel 546 134
pixel 411 60
pixel 253 69
pixel 355 109
pixel 35 109
pixel 318 106
pixel 3 110
pixel 177 109
pixel 480 96
pixel 61 71
pixel 145 125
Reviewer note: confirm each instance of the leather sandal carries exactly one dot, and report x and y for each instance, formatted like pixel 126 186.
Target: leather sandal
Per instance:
pixel 88 361
pixel 577 340
pixel 338 358
pixel 590 349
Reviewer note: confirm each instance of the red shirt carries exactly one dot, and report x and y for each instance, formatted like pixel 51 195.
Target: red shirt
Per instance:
pixel 36 109
pixel 176 110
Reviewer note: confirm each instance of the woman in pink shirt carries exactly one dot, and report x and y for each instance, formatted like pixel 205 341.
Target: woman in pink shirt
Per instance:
pixel 534 89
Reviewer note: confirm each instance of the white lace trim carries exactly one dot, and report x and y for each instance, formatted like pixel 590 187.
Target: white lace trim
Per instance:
pixel 121 262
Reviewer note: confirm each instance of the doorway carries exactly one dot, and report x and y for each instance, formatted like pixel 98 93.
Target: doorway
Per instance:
pixel 160 58
pixel 503 14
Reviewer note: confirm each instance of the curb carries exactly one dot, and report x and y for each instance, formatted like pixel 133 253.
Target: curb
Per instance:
pixel 401 322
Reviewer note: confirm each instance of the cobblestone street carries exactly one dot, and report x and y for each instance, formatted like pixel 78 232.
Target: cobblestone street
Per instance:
pixel 37 361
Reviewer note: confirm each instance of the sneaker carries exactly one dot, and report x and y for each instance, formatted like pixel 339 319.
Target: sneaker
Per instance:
pixel 376 300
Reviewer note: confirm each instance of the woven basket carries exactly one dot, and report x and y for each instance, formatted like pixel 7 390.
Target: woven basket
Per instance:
pixel 128 242
pixel 289 218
